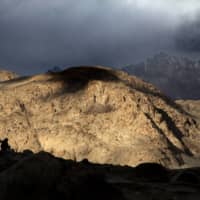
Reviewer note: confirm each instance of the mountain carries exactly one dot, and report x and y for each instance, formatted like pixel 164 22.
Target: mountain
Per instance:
pixel 177 77
pixel 7 75
pixel 99 114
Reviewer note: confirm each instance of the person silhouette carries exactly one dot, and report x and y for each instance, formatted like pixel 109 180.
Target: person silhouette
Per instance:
pixel 5 147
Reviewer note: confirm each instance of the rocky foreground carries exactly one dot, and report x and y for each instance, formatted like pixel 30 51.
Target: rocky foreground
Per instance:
pixel 99 114
pixel 44 177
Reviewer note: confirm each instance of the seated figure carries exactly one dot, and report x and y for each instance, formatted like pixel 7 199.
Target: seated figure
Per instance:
pixel 5 147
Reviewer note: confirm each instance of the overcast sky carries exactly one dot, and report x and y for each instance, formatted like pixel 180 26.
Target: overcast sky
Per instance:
pixel 36 35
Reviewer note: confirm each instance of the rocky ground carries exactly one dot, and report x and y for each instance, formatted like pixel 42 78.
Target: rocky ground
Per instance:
pixel 99 114
pixel 7 75
pixel 44 177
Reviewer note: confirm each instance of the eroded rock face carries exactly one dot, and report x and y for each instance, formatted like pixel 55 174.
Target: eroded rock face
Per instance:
pixel 96 113
pixel 7 75
pixel 192 107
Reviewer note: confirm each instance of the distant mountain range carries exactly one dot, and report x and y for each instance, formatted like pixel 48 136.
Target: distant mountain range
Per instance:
pixel 178 77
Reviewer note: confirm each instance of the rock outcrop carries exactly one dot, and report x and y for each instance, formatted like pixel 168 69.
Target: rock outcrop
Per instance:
pixel 96 113
pixel 7 75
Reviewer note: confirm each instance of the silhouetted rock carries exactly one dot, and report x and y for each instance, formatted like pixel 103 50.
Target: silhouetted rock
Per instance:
pixel 152 172
pixel 187 176
pixel 43 176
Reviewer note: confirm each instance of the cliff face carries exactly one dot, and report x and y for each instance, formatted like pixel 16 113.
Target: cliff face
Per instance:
pixel 176 77
pixel 96 113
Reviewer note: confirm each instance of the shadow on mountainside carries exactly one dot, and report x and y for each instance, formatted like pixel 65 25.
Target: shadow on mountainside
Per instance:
pixel 175 130
pixel 27 175
pixel 75 79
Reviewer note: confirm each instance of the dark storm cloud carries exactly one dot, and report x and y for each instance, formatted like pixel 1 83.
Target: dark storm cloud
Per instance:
pixel 36 35
pixel 188 37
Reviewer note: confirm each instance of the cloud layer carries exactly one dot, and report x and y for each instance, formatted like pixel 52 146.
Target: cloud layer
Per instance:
pixel 36 35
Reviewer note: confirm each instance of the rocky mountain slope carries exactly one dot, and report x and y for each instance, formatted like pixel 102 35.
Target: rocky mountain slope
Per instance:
pixel 178 78
pixel 96 113
pixel 7 75
pixel 192 107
